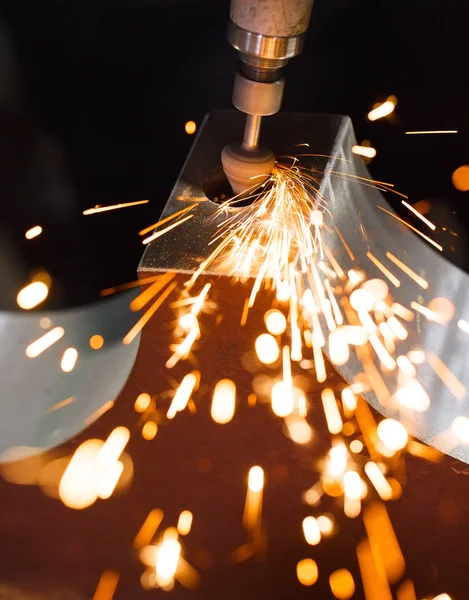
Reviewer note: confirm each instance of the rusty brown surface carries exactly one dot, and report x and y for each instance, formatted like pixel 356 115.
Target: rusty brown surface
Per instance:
pixel 197 465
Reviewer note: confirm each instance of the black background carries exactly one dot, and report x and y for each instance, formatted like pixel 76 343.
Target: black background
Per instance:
pixel 94 95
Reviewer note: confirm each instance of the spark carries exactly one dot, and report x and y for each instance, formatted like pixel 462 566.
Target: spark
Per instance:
pixel 419 215
pixel 106 586
pixel 32 295
pixel 342 584
pixel 372 572
pixel 253 504
pixel 365 151
pixel 148 528
pixel 386 272
pixel 61 404
pixel 69 360
pixel 408 271
pixel 100 209
pixel 161 232
pixel 383 110
pixel 447 377
pixel 33 232
pixel 190 127
pixel 267 349
pixel 149 430
pixel 463 325
pixel 223 401
pixel 275 322
pixel 311 531
pixel 78 487
pixel 109 480
pixel 356 446
pixel 460 428
pixel 142 402
pixel 354 487
pixel 96 342
pixel 185 522
pixel 137 328
pixel 182 395
pixel 383 540
pixel 150 292
pixel 326 525
pixel 167 560
pixel 406 591
pixel 44 342
pixel 378 480
pixel 113 446
pixel 331 411
pixel 346 246
pixel 426 312
pixel 99 412
pixel 166 219
pixel 431 131
pixel 307 571
pixel 425 237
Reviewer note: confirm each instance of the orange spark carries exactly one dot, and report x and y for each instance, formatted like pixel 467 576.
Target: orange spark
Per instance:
pixel 44 342
pixel 425 237
pixel 419 215
pixel 106 586
pixel 383 110
pixel 392 278
pixel 32 295
pixel 33 232
pixel 408 271
pixel 165 230
pixel 99 209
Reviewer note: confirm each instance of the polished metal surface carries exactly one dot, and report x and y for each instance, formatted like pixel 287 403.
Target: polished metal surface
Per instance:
pixel 355 209
pixel 252 131
pixel 40 405
pixel 263 46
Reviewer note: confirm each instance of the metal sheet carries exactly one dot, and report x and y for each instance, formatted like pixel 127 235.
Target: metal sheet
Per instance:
pixel 354 206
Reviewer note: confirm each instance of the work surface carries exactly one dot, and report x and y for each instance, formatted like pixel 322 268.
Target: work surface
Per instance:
pixel 197 465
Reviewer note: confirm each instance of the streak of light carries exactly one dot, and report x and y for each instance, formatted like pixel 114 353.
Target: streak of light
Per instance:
pixel 128 285
pixel 307 571
pixel 388 337
pixel 337 461
pixel 406 366
pixel 423 451
pixel 275 322
pixel 383 540
pixel 100 209
pixel 267 349
pixel 352 507
pixel 99 412
pixel 356 446
pixel 314 494
pixel 69 360
pixel 44 342
pixel 425 237
pixel 342 584
pixel 96 342
pixel 311 531
pixel 354 335
pixel 419 215
pixel 165 230
pixel 223 401
pixel 78 487
pixel 326 525
pixel 447 377
pixel 431 131
pixel 381 352
pixel 402 311
pixel 32 295
pixel 335 265
pixel 187 575
pixel 106 586
pixel 61 404
pixel 109 480
pixel 378 480
pixel 244 315
pixel 365 151
pixel 166 219
pixel 460 428
pixel 463 325
pixel 184 522
pixel 33 232
pixel 168 559
pixel 137 328
pixel 346 246
pixel 253 505
pixel 335 306
pixel 397 328
pixel 348 400
pixel 142 402
pixel 382 110
pixel 333 418
pixel 408 271
pixel 406 591
pixel 113 446
pixel 148 528
pixel 373 577
pixel 426 312
pixel 149 430
pixel 443 307
pixel 413 396
pixel 377 288
pixel 386 272
pixel 190 127
pixel 150 292
pixel 183 393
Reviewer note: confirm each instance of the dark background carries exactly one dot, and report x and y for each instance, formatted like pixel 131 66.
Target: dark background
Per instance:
pixel 94 95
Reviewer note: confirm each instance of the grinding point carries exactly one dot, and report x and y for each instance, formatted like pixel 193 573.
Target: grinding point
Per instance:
pixel 246 168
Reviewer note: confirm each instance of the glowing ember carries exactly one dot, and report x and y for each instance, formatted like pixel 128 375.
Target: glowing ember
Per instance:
pixel 365 151
pixel 342 584
pixel 311 531
pixel 190 127
pixel 267 349
pixel 223 402
pixel 43 343
pixel 69 360
pixel 383 110
pixel 96 342
pixel 275 322
pixel 32 295
pixel 392 434
pixel 307 571
pixel 33 232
